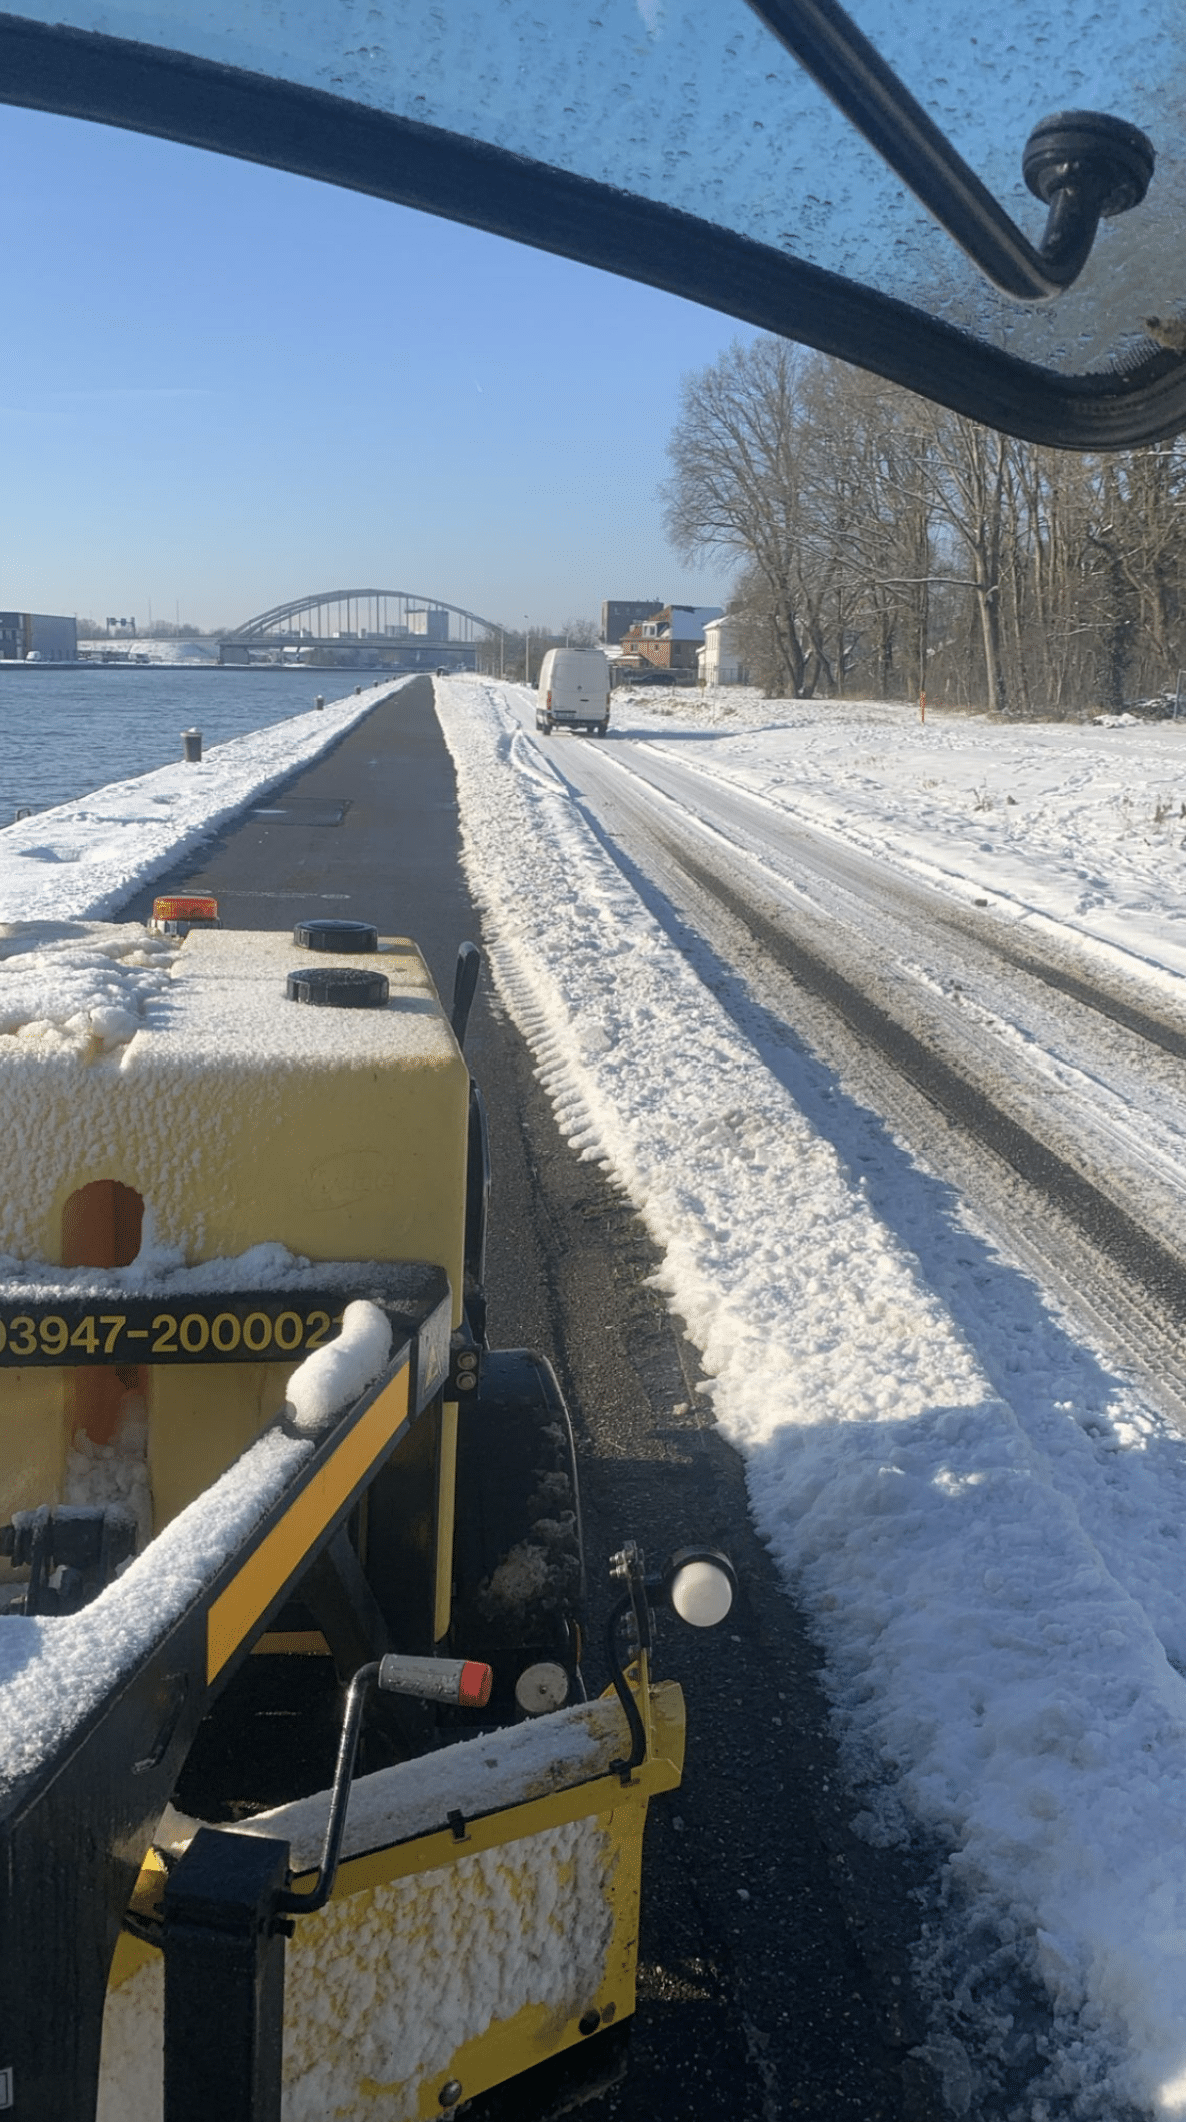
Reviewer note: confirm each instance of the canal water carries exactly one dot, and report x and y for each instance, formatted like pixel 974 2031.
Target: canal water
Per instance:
pixel 66 732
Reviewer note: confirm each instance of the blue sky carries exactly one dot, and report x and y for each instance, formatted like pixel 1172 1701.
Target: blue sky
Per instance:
pixel 222 386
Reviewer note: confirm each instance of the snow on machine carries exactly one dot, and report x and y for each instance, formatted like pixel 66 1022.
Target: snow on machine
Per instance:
pixel 303 1808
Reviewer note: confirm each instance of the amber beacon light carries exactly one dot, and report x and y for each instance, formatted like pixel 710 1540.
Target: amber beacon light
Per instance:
pixel 176 916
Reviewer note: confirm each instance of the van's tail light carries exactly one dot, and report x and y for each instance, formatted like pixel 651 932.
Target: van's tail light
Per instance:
pixel 549 702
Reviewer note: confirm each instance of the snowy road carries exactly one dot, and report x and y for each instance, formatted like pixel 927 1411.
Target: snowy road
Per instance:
pixel 979 1506
pixel 1067 1071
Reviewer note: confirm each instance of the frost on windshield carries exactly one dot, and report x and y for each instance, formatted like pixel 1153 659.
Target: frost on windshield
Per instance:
pixel 694 104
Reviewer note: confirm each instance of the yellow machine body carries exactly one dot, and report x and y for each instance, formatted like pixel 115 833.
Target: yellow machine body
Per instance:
pixel 171 1151
pixel 236 1118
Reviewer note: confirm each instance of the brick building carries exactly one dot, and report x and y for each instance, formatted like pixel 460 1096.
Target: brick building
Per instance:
pixel 670 638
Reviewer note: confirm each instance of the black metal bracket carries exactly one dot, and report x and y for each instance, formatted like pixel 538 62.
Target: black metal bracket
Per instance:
pixel 224 1979
pixel 629 1568
pixel 1083 165
pixel 70 1551
pixel 343 1606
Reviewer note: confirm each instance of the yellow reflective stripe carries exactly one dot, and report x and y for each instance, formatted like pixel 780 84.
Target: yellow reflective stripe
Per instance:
pixel 279 1553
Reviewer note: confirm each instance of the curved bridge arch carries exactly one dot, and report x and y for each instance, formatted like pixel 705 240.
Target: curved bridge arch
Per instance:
pixel 372 615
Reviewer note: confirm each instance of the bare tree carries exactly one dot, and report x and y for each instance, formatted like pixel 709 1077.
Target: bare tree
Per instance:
pixel 735 492
pixel 887 543
pixel 970 467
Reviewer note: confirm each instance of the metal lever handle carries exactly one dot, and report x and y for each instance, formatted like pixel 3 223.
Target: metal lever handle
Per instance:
pixel 460 1680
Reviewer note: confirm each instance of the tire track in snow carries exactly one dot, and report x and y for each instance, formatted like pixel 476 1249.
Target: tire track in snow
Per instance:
pixel 841 861
pixel 1155 1269
pixel 1110 1228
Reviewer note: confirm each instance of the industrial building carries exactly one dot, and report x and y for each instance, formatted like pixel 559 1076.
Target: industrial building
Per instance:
pixel 618 615
pixel 37 637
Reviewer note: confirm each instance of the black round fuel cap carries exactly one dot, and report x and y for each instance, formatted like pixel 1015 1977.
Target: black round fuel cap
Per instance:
pixel 338 987
pixel 347 938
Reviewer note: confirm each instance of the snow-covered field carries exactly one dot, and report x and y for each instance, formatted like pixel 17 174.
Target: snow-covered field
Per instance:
pixel 987 1527
pixel 85 859
pixel 1079 824
pixel 989 1534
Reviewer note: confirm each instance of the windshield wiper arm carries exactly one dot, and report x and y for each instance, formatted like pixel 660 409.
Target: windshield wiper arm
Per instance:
pixel 1084 166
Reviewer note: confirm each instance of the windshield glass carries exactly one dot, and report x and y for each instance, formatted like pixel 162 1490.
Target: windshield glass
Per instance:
pixel 695 105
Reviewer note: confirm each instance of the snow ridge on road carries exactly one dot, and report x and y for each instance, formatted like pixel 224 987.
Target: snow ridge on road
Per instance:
pixel 996 1573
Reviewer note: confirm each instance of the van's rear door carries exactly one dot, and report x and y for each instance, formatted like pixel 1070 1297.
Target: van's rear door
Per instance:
pixel 582 701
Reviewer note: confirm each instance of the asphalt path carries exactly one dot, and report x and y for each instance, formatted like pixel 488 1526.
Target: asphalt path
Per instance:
pixel 774 1956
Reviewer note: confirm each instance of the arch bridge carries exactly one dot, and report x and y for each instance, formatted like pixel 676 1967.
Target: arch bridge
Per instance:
pixel 388 629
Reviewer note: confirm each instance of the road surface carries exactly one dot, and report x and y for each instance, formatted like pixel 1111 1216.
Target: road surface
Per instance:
pixel 774 1973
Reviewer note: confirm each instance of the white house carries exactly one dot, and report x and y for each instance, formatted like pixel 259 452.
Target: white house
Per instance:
pixel 720 659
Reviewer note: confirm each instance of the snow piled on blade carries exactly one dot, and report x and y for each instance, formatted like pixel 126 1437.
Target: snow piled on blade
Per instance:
pixel 997 1577
pixel 470 1776
pixel 86 858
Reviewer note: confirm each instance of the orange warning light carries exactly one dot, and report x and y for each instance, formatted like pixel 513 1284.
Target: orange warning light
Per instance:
pixel 474 1685
pixel 185 909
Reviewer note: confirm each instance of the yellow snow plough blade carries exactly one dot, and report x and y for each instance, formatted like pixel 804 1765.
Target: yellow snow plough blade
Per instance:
pixel 448 1961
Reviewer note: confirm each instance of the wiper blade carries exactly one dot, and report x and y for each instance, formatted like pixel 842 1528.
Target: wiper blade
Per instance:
pixel 1083 165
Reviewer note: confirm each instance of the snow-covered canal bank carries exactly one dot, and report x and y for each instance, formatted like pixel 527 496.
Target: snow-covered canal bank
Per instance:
pixel 984 1520
pixel 84 859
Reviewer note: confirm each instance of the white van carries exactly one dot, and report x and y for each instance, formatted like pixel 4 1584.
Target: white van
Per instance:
pixel 573 691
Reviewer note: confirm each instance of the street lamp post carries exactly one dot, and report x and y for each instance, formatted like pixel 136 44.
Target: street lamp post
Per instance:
pixel 526 650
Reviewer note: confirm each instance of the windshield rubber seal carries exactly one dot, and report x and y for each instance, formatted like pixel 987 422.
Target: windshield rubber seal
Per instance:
pixel 254 117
